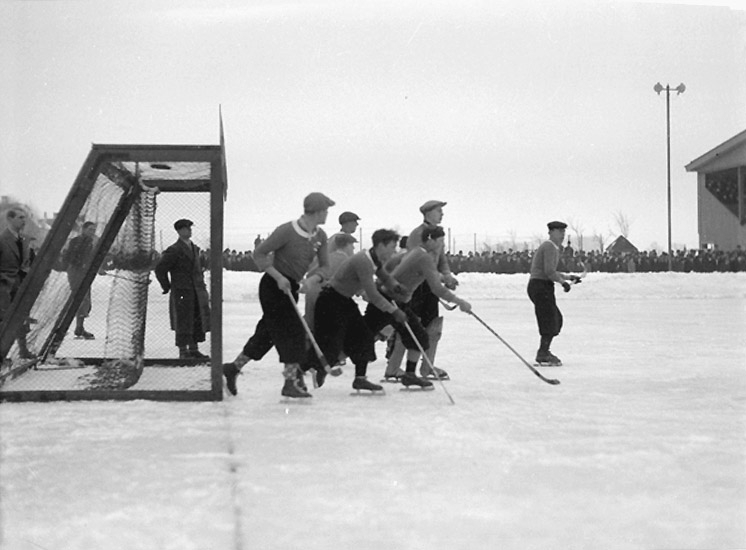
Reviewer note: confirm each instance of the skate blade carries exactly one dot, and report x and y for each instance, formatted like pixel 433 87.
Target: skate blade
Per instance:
pixel 542 364
pixel 284 400
pixel 433 377
pixel 417 388
pixel 368 393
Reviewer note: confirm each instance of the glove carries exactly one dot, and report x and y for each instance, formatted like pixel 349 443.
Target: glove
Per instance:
pixel 399 316
pixel 566 286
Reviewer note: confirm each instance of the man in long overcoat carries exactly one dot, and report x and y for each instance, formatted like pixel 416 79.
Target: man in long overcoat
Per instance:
pixel 180 273
pixel 15 258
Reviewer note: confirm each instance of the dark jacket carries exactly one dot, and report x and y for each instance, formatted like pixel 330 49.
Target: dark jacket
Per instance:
pixel 13 268
pixel 180 273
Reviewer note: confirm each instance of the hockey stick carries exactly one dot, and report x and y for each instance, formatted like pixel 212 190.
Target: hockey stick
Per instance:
pixel 334 371
pixel 449 307
pixel 429 363
pixel 536 372
pixel 426 358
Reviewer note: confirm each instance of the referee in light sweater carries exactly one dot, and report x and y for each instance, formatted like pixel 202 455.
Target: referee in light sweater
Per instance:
pixel 541 291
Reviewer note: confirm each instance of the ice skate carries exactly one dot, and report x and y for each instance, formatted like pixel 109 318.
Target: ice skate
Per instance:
pixel 318 376
pixel 196 354
pixel 231 372
pixel 301 380
pixel 84 335
pixel 411 379
pixel 427 372
pixel 362 383
pixel 393 376
pixel 547 359
pixel 293 389
pixel 294 385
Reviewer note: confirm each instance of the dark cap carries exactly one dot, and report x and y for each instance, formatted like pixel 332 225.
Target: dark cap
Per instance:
pixel 178 224
pixel 429 205
pixel 556 225
pixel 315 202
pixel 345 217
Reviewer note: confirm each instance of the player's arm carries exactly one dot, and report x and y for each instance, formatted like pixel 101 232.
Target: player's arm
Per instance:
pixel 432 277
pixel 264 258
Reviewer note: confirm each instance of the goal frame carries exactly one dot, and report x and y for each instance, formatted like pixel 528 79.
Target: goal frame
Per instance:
pixel 100 161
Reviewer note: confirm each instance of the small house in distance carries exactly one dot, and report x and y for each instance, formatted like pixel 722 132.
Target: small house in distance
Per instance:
pixel 621 245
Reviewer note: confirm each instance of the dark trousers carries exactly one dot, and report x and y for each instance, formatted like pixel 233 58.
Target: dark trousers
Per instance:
pixel 279 326
pixel 425 304
pixel 340 327
pixel 548 315
pixel 186 338
pixel 377 319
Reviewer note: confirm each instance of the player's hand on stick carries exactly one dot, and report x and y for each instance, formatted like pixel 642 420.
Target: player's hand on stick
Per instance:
pixel 464 306
pixel 399 316
pixel 284 285
pixel 449 281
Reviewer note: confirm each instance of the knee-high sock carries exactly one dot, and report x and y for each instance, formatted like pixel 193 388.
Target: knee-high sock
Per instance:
pixel 397 355
pixel 434 332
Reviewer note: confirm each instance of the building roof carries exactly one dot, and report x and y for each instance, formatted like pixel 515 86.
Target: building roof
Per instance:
pixel 727 146
pixel 621 245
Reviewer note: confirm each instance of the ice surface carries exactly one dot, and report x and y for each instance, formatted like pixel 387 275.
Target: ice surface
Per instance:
pixel 641 446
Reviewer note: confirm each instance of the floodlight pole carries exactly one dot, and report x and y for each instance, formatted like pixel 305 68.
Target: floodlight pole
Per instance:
pixel 679 90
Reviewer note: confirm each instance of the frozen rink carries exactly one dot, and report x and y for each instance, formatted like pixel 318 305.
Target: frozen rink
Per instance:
pixel 642 446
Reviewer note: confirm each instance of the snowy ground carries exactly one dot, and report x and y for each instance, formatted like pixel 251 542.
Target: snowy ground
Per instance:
pixel 641 446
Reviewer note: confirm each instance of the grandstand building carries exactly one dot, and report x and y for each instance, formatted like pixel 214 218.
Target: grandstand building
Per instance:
pixel 721 194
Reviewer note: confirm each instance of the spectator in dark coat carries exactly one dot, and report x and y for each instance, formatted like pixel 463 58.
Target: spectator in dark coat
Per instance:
pixel 15 259
pixel 77 258
pixel 189 303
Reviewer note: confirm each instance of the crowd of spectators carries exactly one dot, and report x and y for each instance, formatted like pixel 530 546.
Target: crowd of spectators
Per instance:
pixel 630 262
pixel 511 261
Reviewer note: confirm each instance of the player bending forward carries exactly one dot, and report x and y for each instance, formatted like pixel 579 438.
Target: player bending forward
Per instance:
pixel 339 325
pixel 410 271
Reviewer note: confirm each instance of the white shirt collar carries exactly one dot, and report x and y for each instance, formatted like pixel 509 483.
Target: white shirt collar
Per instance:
pixel 302 232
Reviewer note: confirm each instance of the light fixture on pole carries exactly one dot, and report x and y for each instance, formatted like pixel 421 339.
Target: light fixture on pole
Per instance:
pixel 679 90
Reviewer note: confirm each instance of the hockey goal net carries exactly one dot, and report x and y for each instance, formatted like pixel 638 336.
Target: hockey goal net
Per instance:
pixel 131 196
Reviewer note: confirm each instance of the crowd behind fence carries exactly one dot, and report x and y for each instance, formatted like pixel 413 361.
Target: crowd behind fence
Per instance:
pixel 695 260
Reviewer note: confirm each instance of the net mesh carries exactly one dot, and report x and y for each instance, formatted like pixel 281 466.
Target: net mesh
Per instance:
pixel 131 344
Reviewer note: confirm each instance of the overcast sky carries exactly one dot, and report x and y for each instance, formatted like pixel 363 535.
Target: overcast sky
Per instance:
pixel 513 113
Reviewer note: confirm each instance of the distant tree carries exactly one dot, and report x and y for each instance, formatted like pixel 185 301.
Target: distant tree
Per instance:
pixel 578 229
pixel 600 239
pixel 622 223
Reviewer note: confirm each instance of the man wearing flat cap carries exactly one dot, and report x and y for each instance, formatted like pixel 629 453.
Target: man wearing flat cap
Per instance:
pixel 424 301
pixel 285 257
pixel 541 291
pixel 348 222
pixel 179 273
